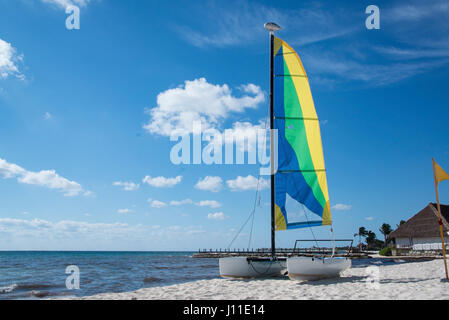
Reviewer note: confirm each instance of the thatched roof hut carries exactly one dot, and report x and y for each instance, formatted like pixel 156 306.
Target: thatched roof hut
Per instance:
pixel 422 229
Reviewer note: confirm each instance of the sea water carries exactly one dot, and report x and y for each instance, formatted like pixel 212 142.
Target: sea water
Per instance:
pixel 37 275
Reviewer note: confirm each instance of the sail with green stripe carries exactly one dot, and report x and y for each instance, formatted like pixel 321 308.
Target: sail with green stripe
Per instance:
pixel 301 173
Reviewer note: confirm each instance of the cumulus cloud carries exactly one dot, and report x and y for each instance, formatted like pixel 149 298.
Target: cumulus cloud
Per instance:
pixel 369 218
pixel 217 216
pixel 179 203
pixel 209 183
pixel 157 204
pixel 162 182
pixel 247 183
pixel 199 100
pixel 342 207
pixel 209 203
pixel 9 60
pixel 121 211
pixel 202 203
pixel 245 135
pixel 127 186
pixel 45 178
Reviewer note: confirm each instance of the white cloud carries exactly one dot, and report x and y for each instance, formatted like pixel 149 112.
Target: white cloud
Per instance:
pixel 202 203
pixel 241 23
pixel 369 218
pixel 209 183
pixel 179 203
pixel 417 10
pixel 47 116
pixel 198 100
pixel 121 211
pixel 247 183
pixel 349 69
pixel 50 179
pixel 127 186
pixel 209 203
pixel 45 178
pixel 158 204
pixel 10 170
pixel 216 216
pixel 162 182
pixel 349 56
pixel 67 229
pixel 65 3
pixel 244 134
pixel 342 207
pixel 9 60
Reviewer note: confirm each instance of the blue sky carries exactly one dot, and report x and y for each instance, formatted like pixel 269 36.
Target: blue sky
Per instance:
pixel 84 153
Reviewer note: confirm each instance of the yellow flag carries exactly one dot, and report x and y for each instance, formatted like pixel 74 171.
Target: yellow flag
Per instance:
pixel 440 174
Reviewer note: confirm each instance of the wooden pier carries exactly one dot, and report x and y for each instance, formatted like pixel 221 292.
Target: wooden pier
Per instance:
pixel 296 251
pixel 280 252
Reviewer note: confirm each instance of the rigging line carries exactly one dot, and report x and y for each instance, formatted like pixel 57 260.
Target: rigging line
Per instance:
pixel 253 213
pixel 311 230
pixel 270 264
pixel 257 190
pixel 238 233
pixel 254 207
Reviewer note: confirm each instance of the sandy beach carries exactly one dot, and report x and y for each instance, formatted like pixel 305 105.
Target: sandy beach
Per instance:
pixel 411 280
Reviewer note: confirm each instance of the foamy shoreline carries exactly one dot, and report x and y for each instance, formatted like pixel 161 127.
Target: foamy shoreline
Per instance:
pixel 413 280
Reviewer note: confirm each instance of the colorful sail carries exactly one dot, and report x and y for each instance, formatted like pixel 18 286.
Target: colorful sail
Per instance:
pixel 301 173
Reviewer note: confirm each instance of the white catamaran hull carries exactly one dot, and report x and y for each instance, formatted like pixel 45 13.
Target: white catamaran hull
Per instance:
pixel 245 267
pixel 308 268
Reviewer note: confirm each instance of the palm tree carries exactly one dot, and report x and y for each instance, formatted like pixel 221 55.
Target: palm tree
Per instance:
pixel 362 233
pixel 385 230
pixel 401 223
pixel 370 238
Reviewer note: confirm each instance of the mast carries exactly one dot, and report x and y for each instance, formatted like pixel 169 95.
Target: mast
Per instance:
pixel 273 227
pixel 272 27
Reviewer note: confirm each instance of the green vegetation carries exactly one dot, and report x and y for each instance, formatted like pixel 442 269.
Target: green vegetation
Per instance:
pixel 385 230
pixel 372 243
pixel 362 233
pixel 401 223
pixel 385 251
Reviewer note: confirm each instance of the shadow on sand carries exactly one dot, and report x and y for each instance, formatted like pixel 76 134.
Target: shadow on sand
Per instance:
pixel 364 279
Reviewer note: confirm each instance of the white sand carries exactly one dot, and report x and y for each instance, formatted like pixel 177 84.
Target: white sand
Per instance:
pixel 414 280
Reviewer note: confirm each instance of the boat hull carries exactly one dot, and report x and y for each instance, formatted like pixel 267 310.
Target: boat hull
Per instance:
pixel 312 268
pixel 247 268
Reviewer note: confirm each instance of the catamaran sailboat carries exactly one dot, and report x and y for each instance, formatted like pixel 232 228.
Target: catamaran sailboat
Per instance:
pixel 300 171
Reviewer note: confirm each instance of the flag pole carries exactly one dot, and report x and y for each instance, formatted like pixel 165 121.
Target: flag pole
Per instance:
pixel 440 222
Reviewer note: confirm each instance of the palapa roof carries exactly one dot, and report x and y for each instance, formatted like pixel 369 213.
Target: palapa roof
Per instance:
pixel 424 224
